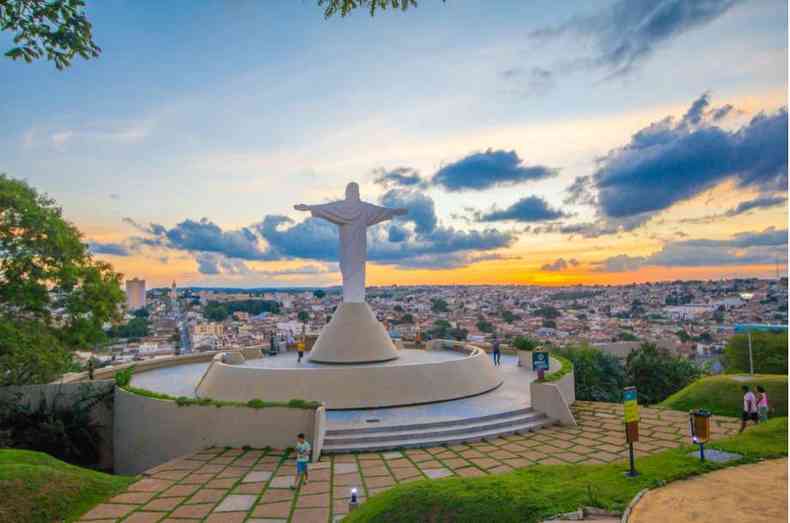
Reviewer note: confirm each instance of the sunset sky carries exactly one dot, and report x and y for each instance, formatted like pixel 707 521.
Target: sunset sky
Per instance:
pixel 535 142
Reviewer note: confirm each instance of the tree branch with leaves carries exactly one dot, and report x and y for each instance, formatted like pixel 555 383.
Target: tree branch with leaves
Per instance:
pixel 57 30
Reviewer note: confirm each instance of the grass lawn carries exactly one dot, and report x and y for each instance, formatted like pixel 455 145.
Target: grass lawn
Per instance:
pixel 722 394
pixel 35 487
pixel 537 492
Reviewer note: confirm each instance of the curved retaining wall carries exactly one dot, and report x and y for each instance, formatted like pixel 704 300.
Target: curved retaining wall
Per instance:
pixel 107 373
pixel 342 387
pixel 148 431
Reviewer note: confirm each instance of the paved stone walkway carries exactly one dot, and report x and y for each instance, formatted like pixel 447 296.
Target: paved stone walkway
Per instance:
pixel 755 493
pixel 238 485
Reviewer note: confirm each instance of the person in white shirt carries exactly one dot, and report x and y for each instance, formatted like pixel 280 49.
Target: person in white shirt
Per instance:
pixel 302 459
pixel 749 407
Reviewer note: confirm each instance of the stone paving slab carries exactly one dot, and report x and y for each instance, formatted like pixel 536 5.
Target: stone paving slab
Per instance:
pixel 236 485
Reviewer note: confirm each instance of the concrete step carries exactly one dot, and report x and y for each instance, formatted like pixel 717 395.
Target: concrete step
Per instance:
pixel 429 425
pixel 409 432
pixel 431 438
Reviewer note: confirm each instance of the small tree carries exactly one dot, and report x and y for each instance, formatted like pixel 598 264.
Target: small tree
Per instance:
pixel 485 326
pixel 319 293
pixel 599 376
pixel 54 297
pixel 438 305
pixel 303 316
pixel 657 374
pixel 214 311
pixel 525 343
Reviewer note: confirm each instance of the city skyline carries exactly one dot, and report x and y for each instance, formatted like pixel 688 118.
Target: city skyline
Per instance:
pixel 625 142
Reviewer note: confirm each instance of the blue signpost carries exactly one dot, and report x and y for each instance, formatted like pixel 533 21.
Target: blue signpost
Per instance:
pixel 748 328
pixel 540 363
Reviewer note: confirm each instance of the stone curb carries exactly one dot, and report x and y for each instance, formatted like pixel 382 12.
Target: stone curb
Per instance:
pixel 630 507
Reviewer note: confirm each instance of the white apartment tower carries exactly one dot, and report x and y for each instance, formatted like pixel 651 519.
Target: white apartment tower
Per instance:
pixel 135 294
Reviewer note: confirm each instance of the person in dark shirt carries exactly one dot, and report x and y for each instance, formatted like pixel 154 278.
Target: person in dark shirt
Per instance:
pixel 496 352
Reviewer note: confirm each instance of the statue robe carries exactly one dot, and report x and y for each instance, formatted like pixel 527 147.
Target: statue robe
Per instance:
pixel 353 218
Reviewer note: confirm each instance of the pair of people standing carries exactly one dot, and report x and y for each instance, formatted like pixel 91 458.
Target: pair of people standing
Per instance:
pixel 755 406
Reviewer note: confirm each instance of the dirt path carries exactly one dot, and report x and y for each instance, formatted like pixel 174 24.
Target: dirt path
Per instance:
pixel 749 493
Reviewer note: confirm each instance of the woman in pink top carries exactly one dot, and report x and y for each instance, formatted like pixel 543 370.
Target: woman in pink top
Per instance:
pixel 762 404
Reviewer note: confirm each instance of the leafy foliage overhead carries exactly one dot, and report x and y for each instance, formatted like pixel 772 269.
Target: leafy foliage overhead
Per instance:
pixel 344 7
pixel 56 30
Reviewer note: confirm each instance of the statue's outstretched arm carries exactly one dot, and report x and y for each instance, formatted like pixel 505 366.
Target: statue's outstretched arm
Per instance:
pixel 377 214
pixel 332 212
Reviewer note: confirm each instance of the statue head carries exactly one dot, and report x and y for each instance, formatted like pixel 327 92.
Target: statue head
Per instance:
pixel 352 192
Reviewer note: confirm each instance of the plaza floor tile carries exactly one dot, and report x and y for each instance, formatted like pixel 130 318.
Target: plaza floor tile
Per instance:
pixel 164 504
pixel 236 503
pixel 109 511
pixel 310 515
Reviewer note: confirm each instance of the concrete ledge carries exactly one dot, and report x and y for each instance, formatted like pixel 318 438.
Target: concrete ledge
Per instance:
pixel 107 373
pixel 343 387
pixel 554 398
pixel 149 432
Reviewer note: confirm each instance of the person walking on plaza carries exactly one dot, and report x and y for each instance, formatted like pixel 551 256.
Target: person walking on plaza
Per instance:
pixel 496 352
pixel 300 350
pixel 762 404
pixel 302 459
pixel 749 407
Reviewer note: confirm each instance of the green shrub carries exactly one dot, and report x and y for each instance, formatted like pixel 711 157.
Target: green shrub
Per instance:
pixel 598 375
pixel 124 376
pixel 64 430
pixel 769 352
pixel 657 374
pixel 525 343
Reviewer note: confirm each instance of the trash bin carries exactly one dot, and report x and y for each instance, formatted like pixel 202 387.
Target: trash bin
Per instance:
pixel 699 422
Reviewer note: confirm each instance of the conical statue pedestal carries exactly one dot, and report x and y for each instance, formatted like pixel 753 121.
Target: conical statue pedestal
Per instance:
pixel 353 335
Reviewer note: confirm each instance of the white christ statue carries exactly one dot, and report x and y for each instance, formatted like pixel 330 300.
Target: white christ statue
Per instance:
pixel 353 217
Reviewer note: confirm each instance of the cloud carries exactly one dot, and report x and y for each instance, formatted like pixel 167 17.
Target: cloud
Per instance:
pixel 407 242
pixel 595 229
pixel 620 263
pixel 112 249
pixel 668 162
pixel 422 211
pixel 114 196
pixel 399 177
pixel 747 248
pixel 536 81
pixel 529 209
pixel 624 34
pixel 215 264
pixel 761 202
pixel 397 234
pixel 559 265
pixel 207 237
pixel 480 171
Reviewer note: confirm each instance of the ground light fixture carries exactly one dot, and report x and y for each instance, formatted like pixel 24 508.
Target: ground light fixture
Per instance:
pixel 354 501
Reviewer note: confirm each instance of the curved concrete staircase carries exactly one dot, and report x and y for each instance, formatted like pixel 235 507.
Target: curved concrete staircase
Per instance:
pixel 376 438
